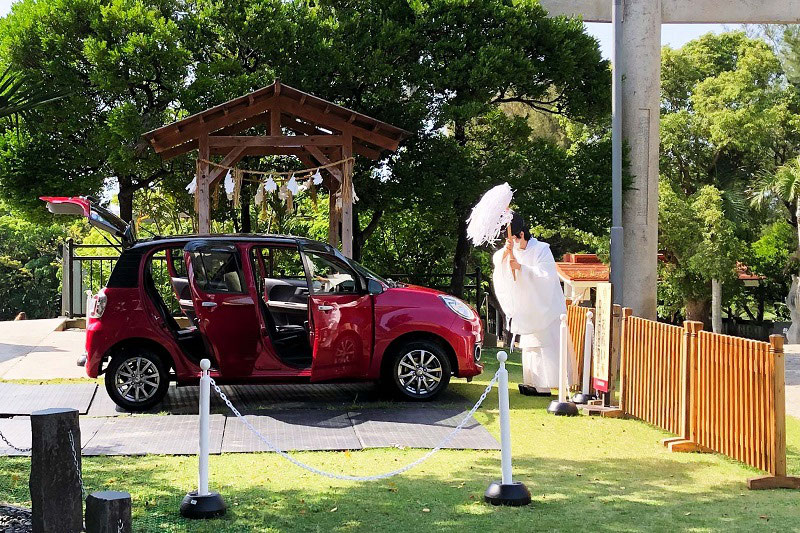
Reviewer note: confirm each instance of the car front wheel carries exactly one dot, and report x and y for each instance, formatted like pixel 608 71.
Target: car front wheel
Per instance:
pixel 420 370
pixel 136 379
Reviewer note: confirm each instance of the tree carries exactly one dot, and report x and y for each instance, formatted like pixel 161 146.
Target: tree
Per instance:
pixel 700 246
pixel 123 64
pixel 727 117
pixel 781 187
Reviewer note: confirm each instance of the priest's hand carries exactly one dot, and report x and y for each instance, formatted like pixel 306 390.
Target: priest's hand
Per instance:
pixel 514 263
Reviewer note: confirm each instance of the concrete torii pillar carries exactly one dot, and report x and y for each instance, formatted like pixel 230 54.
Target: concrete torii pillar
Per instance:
pixel 640 64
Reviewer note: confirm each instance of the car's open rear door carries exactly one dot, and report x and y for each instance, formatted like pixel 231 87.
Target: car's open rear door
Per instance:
pixel 97 215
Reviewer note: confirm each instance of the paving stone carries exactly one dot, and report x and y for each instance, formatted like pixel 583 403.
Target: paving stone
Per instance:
pixel 142 435
pixel 18 431
pixel 292 430
pixel 16 399
pixel 419 428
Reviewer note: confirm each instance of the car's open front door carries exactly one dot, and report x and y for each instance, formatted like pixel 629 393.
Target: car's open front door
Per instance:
pixel 226 313
pixel 342 315
pixel 97 215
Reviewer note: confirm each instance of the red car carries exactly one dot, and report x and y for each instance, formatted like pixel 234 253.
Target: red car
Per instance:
pixel 264 309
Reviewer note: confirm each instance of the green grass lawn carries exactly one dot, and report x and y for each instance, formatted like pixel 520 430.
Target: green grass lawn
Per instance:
pixel 585 474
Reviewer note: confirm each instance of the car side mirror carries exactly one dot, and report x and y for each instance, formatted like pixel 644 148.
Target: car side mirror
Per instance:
pixel 373 287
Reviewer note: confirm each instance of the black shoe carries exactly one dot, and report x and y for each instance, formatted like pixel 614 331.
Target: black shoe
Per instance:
pixel 527 390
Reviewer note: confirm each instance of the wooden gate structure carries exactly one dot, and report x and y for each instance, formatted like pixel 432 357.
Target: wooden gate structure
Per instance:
pixel 299 124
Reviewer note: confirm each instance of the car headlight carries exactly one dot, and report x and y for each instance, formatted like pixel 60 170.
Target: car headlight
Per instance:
pixel 458 307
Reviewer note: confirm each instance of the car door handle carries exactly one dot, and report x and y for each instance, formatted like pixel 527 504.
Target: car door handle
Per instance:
pixel 325 308
pixel 209 304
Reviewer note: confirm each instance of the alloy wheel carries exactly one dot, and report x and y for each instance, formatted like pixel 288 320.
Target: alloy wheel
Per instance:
pixel 419 372
pixel 137 379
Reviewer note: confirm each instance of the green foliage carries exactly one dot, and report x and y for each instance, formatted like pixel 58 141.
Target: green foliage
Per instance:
pixel 772 256
pixel 30 278
pixel 699 244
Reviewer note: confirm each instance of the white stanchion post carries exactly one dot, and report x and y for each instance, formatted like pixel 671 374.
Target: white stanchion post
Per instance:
pixel 563 331
pixel 205 407
pixel 506 491
pixel 505 420
pixel 562 406
pixel 202 503
pixel 588 345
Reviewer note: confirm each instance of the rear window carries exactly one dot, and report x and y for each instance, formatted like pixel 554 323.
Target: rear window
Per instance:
pixel 126 270
pixel 217 271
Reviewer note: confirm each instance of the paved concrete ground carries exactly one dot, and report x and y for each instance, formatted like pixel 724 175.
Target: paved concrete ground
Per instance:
pixel 792 379
pixel 34 349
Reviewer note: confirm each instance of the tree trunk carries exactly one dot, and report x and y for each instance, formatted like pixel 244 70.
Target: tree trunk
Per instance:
pixel 462 244
pixel 360 236
pixel 716 305
pixel 698 310
pixel 247 226
pixel 125 198
pixel 460 258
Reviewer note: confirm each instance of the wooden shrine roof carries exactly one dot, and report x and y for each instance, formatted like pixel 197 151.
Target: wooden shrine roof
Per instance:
pixel 300 112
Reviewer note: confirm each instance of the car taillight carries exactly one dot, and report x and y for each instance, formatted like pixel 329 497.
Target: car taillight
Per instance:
pixel 97 305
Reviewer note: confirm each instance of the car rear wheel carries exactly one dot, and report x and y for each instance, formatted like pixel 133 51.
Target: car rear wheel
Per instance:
pixel 420 370
pixel 136 379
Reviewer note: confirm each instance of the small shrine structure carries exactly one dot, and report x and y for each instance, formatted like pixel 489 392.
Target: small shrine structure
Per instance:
pixel 319 133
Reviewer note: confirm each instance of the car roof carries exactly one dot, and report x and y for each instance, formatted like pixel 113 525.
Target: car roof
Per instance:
pixel 236 237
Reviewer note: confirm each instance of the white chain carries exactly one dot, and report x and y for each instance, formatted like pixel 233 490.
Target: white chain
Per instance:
pixel 75 460
pixel 21 450
pixel 345 477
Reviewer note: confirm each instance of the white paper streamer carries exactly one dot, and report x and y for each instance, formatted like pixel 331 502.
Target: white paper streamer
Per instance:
pixel 229 185
pixel 317 177
pixel 260 194
pixel 270 185
pixel 292 185
pixel 192 185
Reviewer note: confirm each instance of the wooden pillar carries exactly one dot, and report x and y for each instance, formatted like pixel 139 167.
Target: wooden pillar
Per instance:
pixel 333 215
pixel 203 190
pixel 688 373
pixel 347 200
pixel 778 466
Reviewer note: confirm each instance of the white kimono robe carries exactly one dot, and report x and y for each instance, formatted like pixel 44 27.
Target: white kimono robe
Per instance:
pixel 534 303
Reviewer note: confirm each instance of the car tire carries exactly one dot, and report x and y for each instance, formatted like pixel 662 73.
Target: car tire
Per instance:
pixel 419 371
pixel 136 378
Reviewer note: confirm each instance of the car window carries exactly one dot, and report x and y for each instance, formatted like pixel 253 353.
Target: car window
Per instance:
pixel 176 257
pixel 218 272
pixel 330 275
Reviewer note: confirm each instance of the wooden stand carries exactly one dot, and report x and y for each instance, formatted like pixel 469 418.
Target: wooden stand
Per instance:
pixel 596 408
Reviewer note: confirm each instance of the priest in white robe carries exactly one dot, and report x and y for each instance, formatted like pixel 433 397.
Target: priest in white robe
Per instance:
pixel 534 302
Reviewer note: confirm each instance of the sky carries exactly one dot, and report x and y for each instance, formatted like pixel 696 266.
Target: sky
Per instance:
pixel 675 35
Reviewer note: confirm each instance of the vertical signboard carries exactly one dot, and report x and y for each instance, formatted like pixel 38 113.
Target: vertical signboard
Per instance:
pixel 602 338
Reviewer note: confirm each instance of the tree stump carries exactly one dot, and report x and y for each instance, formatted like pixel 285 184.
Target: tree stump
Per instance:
pixel 54 484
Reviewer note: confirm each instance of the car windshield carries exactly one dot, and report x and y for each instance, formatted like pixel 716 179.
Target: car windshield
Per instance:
pixel 364 271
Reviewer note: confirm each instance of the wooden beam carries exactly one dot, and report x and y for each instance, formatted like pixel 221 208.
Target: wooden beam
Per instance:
pixel 262 150
pixel 192 131
pixel 310 129
pixel 275 140
pixel 203 189
pixel 233 157
pixel 330 120
pixel 347 206
pixel 275 115
pixel 323 160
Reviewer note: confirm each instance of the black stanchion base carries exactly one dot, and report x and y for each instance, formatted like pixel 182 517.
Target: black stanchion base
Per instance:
pixel 562 408
pixel 208 506
pixel 515 494
pixel 582 398
pixel 527 390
